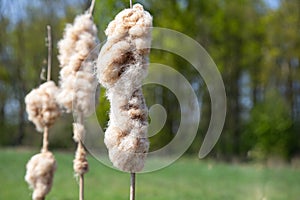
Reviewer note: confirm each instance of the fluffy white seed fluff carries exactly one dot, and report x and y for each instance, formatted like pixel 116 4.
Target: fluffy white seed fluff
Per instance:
pixel 76 76
pixel 41 106
pixel 121 66
pixel 85 88
pixel 80 163
pixel 79 132
pixel 39 175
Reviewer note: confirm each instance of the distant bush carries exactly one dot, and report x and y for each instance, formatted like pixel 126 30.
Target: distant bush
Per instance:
pixel 269 130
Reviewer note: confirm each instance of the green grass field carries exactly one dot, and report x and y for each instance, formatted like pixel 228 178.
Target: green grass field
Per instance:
pixel 186 179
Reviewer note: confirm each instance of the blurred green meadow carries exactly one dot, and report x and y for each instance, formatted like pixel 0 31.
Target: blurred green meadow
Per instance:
pixel 188 178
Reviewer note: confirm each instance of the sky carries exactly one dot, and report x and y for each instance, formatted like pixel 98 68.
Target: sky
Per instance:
pixel 16 9
pixel 273 3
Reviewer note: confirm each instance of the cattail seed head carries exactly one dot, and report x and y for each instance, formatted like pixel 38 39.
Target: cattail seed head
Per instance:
pixel 122 65
pixel 79 40
pixel 41 105
pixel 39 174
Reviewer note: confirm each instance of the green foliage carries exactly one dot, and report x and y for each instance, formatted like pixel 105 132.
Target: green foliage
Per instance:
pixel 102 109
pixel 270 127
pixel 23 53
pixel 153 95
pixel 242 37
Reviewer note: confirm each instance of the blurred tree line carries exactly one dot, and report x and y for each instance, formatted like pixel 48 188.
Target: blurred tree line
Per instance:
pixel 255 46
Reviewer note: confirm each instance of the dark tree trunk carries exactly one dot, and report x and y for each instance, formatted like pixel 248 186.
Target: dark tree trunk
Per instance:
pixel 21 128
pixel 20 85
pixel 290 91
pixel 235 110
pixel 2 113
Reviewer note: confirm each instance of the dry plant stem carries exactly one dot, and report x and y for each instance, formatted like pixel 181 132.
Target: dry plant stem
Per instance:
pixel 130 1
pixel 92 7
pixel 42 111
pixel 81 181
pixel 49 52
pixel 45 139
pixel 81 177
pixel 81 187
pixel 46 129
pixel 132 186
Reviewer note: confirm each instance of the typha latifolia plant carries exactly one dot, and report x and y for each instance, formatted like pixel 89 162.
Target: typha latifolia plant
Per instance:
pixel 42 110
pixel 77 81
pixel 121 66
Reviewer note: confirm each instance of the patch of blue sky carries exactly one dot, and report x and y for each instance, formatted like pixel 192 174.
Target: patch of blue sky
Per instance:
pixel 274 4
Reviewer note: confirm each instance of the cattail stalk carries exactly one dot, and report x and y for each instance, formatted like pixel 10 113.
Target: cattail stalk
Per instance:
pixel 77 81
pixel 80 147
pixel 132 186
pixel 45 140
pixel 92 7
pixel 49 44
pixel 42 110
pixel 81 187
pixel 81 176
pixel 49 52
pixel 122 65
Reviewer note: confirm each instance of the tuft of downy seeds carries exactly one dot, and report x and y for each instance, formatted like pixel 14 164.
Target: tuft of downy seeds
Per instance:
pixel 80 163
pixel 39 174
pixel 121 66
pixel 41 105
pixel 77 81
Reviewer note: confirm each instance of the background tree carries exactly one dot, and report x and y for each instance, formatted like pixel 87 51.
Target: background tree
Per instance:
pixel 255 46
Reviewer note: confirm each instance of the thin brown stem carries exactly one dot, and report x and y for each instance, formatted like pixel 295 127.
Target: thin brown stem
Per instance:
pixel 81 176
pixel 132 186
pixel 45 139
pixel 81 187
pixel 92 7
pixel 80 145
pixel 49 44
